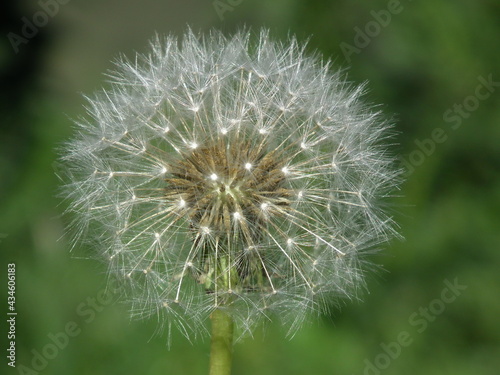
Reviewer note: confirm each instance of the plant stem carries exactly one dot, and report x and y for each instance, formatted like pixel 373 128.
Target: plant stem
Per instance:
pixel 221 346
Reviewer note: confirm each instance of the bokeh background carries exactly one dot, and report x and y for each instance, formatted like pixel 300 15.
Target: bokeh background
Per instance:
pixel 426 62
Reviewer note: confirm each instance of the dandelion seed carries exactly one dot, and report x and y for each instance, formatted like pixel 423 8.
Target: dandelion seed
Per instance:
pixel 228 226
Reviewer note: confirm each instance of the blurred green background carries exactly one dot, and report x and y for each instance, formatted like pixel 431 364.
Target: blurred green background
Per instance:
pixel 427 62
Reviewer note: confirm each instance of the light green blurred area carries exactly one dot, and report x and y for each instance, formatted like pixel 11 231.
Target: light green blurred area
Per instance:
pixel 425 60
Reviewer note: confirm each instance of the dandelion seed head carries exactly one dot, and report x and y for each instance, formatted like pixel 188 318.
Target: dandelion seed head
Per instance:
pixel 230 173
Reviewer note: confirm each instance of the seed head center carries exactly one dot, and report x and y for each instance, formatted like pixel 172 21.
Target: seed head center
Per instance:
pixel 227 182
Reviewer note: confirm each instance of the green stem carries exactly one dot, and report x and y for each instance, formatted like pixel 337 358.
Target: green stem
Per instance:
pixel 221 346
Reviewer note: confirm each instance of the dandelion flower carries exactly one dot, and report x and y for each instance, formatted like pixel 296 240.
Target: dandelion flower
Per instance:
pixel 217 174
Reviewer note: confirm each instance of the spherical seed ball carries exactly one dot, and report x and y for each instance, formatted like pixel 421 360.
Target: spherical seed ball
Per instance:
pixel 216 172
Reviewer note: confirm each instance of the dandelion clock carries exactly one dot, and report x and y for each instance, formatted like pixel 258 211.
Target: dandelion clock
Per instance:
pixel 228 181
